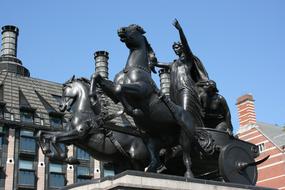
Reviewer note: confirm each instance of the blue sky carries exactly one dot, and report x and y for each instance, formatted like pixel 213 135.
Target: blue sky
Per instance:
pixel 241 42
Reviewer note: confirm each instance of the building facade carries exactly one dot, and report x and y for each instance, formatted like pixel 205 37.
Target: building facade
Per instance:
pixel 270 140
pixel 27 105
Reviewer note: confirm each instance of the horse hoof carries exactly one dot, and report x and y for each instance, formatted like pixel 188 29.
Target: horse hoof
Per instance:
pixel 150 168
pixel 54 139
pixel 188 175
pixel 161 168
pixel 138 112
pixel 155 168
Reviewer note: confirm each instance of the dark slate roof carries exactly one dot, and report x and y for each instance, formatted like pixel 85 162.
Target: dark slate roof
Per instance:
pixel 18 87
pixel 41 96
pixel 275 133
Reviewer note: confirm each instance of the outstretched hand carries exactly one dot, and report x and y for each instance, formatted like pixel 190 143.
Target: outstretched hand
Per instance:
pixel 176 24
pixel 153 62
pixel 152 66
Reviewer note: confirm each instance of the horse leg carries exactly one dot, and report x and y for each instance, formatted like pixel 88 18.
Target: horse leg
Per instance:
pixel 153 149
pixel 138 90
pixel 186 147
pixel 46 144
pixel 66 136
pixel 187 123
pixel 106 85
pixel 61 155
pixel 78 133
pixel 44 141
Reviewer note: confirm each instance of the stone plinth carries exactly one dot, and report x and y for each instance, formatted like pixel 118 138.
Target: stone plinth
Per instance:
pixel 139 180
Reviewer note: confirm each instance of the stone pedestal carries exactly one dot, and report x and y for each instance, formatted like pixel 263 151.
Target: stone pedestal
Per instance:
pixel 140 180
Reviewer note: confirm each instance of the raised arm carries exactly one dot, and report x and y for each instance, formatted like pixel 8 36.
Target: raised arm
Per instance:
pixel 186 49
pixel 154 64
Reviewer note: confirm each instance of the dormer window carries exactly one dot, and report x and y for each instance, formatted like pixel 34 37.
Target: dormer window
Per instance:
pixel 27 116
pixel 57 98
pixel 55 122
pixel 55 117
pixel 26 111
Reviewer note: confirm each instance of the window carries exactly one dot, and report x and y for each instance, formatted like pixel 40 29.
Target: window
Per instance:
pixel 27 116
pixel 2 134
pixel 55 122
pixel 56 176
pixel 2 179
pixel 1 112
pixel 26 173
pixel 108 169
pixel 61 146
pixel 261 147
pixel 82 155
pixel 83 173
pixel 57 98
pixel 2 171
pixel 27 141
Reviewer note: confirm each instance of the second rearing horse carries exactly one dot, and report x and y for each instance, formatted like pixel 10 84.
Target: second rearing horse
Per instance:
pixel 165 124
pixel 85 131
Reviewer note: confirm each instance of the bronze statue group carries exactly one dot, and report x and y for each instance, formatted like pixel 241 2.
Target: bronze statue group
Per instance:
pixel 188 133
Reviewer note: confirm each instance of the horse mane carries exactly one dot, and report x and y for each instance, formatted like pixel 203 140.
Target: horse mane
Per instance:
pixel 84 80
pixel 150 52
pixel 81 79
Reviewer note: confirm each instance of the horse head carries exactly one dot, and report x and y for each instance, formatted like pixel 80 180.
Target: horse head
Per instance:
pixel 73 90
pixel 132 35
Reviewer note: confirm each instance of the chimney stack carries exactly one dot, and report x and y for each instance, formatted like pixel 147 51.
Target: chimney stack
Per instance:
pixel 8 59
pixel 164 75
pixel 246 113
pixel 9 41
pixel 101 63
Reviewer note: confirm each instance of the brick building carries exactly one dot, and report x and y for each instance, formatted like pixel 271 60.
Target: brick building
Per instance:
pixel 26 105
pixel 270 140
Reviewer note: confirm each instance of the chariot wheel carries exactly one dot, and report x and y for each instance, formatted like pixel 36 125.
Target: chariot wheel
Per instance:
pixel 235 165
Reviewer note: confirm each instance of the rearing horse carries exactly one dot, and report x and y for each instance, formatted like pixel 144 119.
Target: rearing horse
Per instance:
pixel 165 123
pixel 84 131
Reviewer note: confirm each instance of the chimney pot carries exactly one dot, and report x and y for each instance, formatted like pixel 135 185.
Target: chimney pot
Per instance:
pixel 9 40
pixel 8 59
pixel 164 75
pixel 101 63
